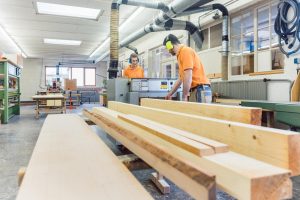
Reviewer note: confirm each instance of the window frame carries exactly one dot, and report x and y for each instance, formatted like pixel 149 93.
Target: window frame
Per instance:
pixel 70 74
pixel 254 9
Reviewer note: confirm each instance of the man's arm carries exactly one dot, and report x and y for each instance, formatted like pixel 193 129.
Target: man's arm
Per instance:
pixel 174 89
pixel 187 82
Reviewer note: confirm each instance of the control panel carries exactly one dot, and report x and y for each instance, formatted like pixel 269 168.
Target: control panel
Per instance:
pixel 152 85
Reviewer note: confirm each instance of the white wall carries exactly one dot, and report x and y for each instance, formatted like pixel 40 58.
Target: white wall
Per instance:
pixel 30 78
pixel 33 76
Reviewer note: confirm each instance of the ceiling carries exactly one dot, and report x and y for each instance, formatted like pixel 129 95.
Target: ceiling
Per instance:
pixel 28 29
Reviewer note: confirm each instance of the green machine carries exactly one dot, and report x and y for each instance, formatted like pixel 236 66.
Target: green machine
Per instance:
pixel 285 112
pixel 9 90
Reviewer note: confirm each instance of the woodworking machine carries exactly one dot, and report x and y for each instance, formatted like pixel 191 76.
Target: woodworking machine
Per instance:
pixel 285 112
pixel 132 90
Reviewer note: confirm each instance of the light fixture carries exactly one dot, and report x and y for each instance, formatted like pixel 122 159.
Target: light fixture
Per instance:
pixel 130 18
pixel 100 47
pixel 69 11
pixel 62 42
pixel 16 46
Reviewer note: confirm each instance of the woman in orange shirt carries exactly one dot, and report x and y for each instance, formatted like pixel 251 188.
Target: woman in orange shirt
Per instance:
pixel 134 70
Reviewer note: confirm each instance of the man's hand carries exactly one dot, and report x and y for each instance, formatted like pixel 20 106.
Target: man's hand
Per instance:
pixel 185 98
pixel 168 97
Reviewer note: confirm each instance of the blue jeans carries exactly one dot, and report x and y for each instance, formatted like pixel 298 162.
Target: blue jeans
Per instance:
pixel 201 94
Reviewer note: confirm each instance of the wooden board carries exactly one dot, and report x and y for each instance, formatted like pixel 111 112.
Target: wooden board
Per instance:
pixel 190 177
pixel 70 162
pixel 277 147
pixel 295 92
pixel 214 76
pixel 70 84
pixel 238 175
pixel 183 139
pixel 277 71
pixel 231 113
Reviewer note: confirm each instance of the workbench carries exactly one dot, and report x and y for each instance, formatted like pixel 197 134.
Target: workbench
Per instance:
pixel 49 103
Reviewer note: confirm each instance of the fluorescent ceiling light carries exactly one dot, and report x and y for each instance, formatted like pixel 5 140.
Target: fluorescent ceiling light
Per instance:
pixel 69 11
pixel 5 34
pixel 100 47
pixel 62 42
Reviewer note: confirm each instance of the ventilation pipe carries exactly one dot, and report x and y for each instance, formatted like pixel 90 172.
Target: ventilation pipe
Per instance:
pixel 225 40
pixel 177 6
pixel 132 48
pixel 171 24
pixel 146 4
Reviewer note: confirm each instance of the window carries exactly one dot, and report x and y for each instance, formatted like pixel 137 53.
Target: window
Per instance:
pixel 77 73
pixel 89 76
pixel 84 76
pixel 216 35
pixel 212 37
pixel 242 44
pixel 267 44
pixel 51 76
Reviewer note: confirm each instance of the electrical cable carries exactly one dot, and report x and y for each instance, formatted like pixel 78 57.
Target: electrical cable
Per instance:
pixel 288 29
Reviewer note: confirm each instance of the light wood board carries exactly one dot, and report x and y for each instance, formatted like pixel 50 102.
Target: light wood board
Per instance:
pixel 242 177
pixel 277 147
pixel 188 141
pixel 231 113
pixel 70 162
pixel 295 92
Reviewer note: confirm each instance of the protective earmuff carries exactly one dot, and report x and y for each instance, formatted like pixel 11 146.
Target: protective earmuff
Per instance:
pixel 129 60
pixel 169 44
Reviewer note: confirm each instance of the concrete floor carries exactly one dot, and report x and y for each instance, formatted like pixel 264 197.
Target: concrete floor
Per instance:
pixel 18 138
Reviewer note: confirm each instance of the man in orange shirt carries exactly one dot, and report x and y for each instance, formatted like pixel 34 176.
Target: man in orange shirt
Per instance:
pixel 196 86
pixel 134 70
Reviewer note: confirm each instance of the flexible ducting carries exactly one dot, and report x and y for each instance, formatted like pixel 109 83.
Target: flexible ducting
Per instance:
pixel 114 41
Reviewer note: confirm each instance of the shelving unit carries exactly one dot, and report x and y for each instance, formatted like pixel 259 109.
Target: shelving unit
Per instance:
pixel 9 90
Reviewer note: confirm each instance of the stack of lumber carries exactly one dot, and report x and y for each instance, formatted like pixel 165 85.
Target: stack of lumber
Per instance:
pixel 71 162
pixel 198 153
pixel 277 147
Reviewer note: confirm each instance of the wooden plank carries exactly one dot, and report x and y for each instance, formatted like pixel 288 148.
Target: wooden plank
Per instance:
pixel 183 139
pixel 295 92
pixel 160 182
pixel 178 140
pixel 153 150
pixel 277 71
pixel 242 177
pixel 277 147
pixel 231 113
pixel 214 75
pixel 71 162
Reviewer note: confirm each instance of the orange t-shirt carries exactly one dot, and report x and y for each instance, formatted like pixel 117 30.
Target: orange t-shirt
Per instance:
pixel 137 72
pixel 188 59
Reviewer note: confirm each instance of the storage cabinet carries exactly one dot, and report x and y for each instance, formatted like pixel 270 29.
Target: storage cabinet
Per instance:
pixel 9 90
